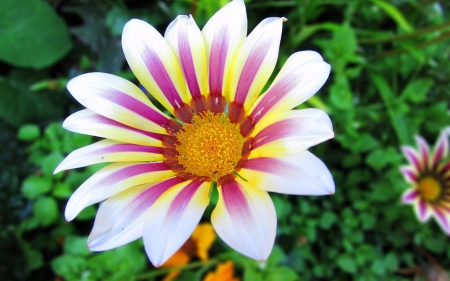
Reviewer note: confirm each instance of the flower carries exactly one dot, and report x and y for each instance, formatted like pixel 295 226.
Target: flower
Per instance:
pixel 429 174
pixel 224 272
pixel 217 130
pixel 198 245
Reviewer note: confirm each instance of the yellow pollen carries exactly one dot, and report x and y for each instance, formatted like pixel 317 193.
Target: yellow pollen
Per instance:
pixel 210 146
pixel 430 188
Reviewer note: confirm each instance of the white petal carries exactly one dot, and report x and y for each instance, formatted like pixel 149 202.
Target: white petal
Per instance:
pixel 302 76
pixel 114 179
pixel 153 62
pixel 120 219
pixel 89 123
pixel 290 132
pixel 245 219
pixel 224 33
pixel 109 151
pixel 117 99
pixel 187 43
pixel 299 174
pixel 255 62
pixel 173 218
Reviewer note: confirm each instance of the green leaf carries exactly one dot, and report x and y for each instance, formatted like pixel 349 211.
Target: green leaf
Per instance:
pixel 346 263
pixel 68 266
pixel 395 14
pixel 28 132
pixel 282 273
pixel 327 220
pixel 45 210
pixel 32 34
pixel 33 186
pixel 62 190
pixel 397 120
pixel 87 213
pixel 76 245
pixel 417 90
pixel 19 105
pixel 50 162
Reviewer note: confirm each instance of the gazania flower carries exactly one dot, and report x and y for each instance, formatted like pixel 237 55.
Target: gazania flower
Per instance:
pixel 216 129
pixel 429 174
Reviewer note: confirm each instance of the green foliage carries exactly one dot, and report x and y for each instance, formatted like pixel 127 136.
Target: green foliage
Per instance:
pixel 389 81
pixel 32 35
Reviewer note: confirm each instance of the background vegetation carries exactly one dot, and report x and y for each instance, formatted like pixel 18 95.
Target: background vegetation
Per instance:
pixel 390 80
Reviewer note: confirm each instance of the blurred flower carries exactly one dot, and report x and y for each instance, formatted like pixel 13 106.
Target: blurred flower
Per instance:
pixel 224 272
pixel 429 174
pixel 197 245
pixel 221 131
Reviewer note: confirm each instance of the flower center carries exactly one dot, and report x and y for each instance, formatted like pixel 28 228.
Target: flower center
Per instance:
pixel 210 146
pixel 430 188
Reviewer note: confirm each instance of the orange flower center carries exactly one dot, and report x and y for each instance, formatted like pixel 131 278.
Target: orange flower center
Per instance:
pixel 430 188
pixel 209 146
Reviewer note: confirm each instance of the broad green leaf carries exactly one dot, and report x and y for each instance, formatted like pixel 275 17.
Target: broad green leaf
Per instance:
pixel 417 90
pixel 19 105
pixel 45 210
pixel 28 132
pixel 62 190
pixel 282 273
pixel 76 245
pixel 50 162
pixel 33 186
pixel 347 263
pixel 32 34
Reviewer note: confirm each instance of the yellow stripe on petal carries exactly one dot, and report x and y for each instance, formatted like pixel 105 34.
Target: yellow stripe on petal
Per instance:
pixel 186 41
pixel 153 62
pixel 119 100
pixel 89 123
pixel 120 219
pixel 302 76
pixel 110 151
pixel 290 132
pixel 224 33
pixel 255 62
pixel 113 179
pixel 299 174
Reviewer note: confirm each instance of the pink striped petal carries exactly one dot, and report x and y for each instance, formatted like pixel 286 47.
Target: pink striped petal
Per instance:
pixel 424 153
pixel 110 151
pixel 410 196
pixel 153 62
pixel 186 40
pixel 412 157
pixel 423 211
pixel 290 132
pixel 302 76
pixel 245 219
pixel 114 179
pixel 409 174
pixel 445 170
pixel 119 100
pixel 223 33
pixel 255 62
pixel 120 219
pixel 173 218
pixel 441 149
pixel 299 174
pixel 90 123
pixel 443 218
